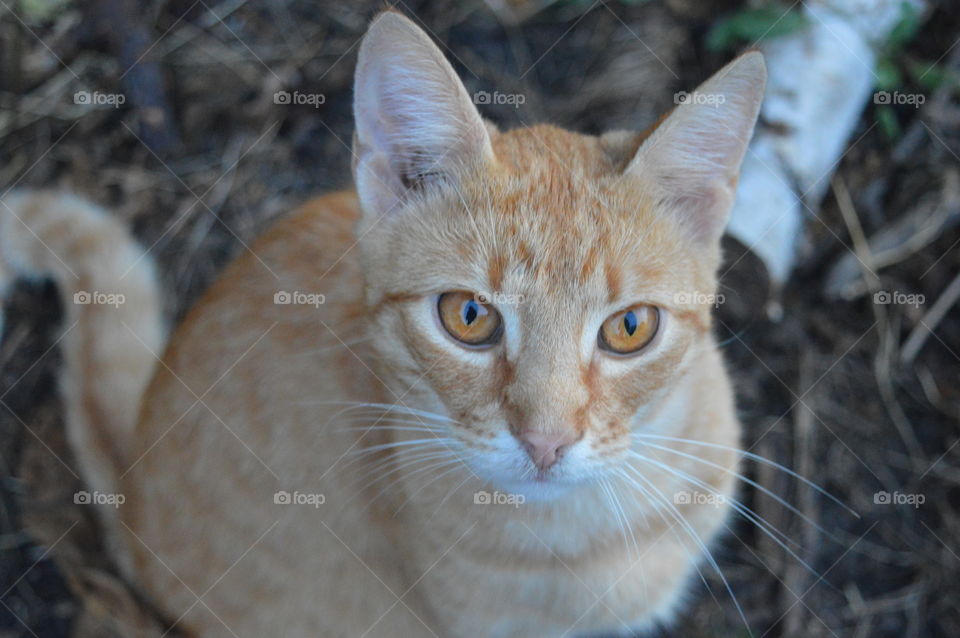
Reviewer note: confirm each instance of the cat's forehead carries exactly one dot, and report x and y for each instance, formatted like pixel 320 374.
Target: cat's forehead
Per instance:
pixel 558 183
pixel 557 202
pixel 553 217
pixel 562 231
pixel 548 148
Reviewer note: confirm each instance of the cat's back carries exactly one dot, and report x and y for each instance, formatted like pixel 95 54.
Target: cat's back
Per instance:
pixel 298 283
pixel 282 323
pixel 240 406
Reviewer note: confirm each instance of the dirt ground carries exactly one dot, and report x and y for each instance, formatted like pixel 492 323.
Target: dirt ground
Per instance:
pixel 861 397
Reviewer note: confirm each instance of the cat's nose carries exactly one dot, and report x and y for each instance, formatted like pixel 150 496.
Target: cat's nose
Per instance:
pixel 546 449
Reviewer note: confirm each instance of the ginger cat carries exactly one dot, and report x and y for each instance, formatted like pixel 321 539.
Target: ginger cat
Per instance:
pixel 464 400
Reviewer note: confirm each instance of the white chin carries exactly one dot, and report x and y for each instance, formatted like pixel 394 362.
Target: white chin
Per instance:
pixel 537 490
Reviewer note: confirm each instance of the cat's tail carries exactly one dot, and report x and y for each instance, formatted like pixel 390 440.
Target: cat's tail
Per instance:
pixel 113 327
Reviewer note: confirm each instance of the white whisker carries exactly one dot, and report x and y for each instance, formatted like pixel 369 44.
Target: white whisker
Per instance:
pixel 404 457
pixel 407 464
pixel 620 515
pixel 432 466
pixel 696 538
pixel 753 457
pixel 396 444
pixel 425 485
pixel 451 493
pixel 386 407
pixel 389 424
pixel 743 478
pixel 761 523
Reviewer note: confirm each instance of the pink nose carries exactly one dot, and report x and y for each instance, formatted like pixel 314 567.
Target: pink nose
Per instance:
pixel 546 449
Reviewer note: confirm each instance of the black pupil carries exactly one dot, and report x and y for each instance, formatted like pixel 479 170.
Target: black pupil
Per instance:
pixel 630 323
pixel 470 312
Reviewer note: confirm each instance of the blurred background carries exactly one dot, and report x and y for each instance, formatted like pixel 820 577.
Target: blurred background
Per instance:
pixel 167 113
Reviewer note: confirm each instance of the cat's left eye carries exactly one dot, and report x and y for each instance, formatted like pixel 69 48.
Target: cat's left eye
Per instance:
pixel 468 320
pixel 628 331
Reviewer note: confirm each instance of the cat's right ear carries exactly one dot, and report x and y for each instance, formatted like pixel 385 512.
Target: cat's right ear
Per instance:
pixel 415 121
pixel 693 157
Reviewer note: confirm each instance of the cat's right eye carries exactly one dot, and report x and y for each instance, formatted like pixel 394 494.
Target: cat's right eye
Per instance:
pixel 469 320
pixel 630 330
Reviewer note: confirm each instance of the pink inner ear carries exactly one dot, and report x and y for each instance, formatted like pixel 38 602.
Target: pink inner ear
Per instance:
pixel 377 184
pixel 705 211
pixel 415 121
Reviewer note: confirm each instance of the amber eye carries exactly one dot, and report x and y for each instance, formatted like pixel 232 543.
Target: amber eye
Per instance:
pixel 468 320
pixel 630 330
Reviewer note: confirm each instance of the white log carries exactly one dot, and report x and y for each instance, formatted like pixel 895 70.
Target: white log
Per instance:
pixel 820 80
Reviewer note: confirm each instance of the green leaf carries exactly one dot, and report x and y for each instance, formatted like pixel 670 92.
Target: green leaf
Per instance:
pixel 887 119
pixel 930 75
pixel 888 75
pixel 38 11
pixel 753 25
pixel 906 28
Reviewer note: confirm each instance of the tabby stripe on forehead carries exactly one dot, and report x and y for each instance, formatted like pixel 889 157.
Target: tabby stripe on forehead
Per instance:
pixel 613 277
pixel 495 270
pixel 589 262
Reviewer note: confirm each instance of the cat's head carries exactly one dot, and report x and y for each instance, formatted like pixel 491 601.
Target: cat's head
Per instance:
pixel 543 289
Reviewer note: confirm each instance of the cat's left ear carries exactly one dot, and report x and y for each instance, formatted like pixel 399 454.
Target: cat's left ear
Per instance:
pixel 692 159
pixel 415 121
